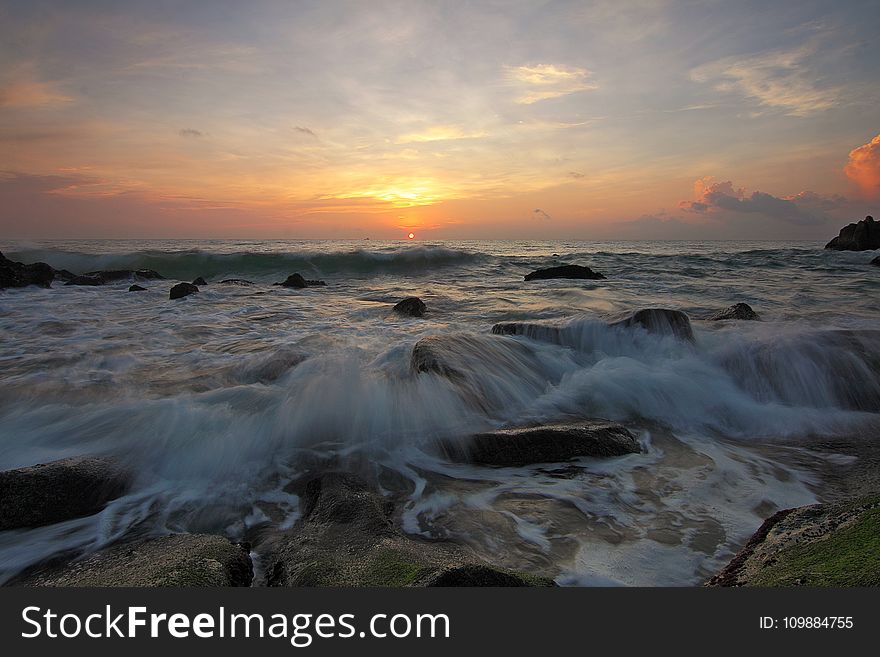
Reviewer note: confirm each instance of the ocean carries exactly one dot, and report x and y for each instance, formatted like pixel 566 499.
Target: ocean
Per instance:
pixel 221 399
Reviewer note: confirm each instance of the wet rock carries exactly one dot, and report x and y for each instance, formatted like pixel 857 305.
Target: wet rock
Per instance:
pixel 199 281
pixel 236 281
pixel 136 288
pixel 182 290
pixel 536 331
pixel 412 306
pixel 176 560
pixel 818 545
pixel 741 311
pixel 545 444
pixel 564 271
pixel 297 281
pixel 861 236
pixel 115 275
pixel 347 539
pixel 661 321
pixel 61 490
pixel 876 261
pixel 17 274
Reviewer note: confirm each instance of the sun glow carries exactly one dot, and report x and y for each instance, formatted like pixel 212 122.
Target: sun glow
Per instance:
pixel 412 236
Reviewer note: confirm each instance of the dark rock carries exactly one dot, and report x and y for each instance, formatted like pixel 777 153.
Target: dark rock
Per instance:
pixel 534 330
pixel 200 281
pixel 834 545
pixel 137 288
pixel 181 290
pixel 61 490
pixel 236 281
pixel 412 306
pixel 876 261
pixel 741 311
pixel 661 321
pixel 564 271
pixel 17 274
pixel 863 236
pixel 64 275
pixel 297 281
pixel 178 560
pixel 545 444
pixel 347 539
pixel 114 275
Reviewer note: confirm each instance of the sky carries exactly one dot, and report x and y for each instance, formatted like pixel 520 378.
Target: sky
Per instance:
pixel 613 119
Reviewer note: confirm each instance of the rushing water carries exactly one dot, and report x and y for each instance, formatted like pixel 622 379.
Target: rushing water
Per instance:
pixel 220 399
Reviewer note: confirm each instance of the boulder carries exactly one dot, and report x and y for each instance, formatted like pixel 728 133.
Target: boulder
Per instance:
pixel 236 281
pixel 876 261
pixel 742 311
pixel 176 560
pixel 412 306
pixel 114 275
pixel 182 290
pixel 545 444
pixel 136 288
pixel 199 281
pixel 17 274
pixel 818 545
pixel 564 271
pixel 61 490
pixel 346 538
pixel 862 236
pixel 661 321
pixel 297 281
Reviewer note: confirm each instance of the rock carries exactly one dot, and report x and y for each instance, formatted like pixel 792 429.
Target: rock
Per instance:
pixel 876 261
pixel 297 281
pixel 199 281
pixel 545 444
pixel 412 306
pixel 61 490
pixel 661 321
pixel 182 290
pixel 741 311
pixel 176 560
pixel 564 271
pixel 818 545
pixel 113 275
pixel 534 330
pixel 347 539
pixel 137 288
pixel 863 236
pixel 236 281
pixel 17 274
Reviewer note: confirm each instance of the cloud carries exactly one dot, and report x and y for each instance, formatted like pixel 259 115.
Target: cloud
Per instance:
pixel 778 79
pixel 305 131
pixel 191 132
pixel 545 81
pixel 439 133
pixel 719 198
pixel 863 167
pixel 32 94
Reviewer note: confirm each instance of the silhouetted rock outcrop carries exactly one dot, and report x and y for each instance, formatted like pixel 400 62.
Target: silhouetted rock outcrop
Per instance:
pixel 741 311
pixel 863 236
pixel 412 306
pixel 297 281
pixel 564 271
pixel 17 274
pixel 137 288
pixel 200 281
pixel 876 261
pixel 182 290
pixel 60 490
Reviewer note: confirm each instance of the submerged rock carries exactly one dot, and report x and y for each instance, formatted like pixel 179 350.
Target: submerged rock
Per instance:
pixel 661 321
pixel 347 539
pixel 818 545
pixel 137 288
pixel 113 275
pixel 181 290
pixel 742 311
pixel 176 560
pixel 545 444
pixel 412 306
pixel 199 281
pixel 564 271
pixel 862 236
pixel 235 281
pixel 17 274
pixel 297 281
pixel 876 261
pixel 61 490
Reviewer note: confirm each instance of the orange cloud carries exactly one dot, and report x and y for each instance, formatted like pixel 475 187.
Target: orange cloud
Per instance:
pixel 863 167
pixel 31 94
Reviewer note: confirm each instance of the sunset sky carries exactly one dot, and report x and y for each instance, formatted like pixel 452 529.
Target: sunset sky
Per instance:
pixel 453 120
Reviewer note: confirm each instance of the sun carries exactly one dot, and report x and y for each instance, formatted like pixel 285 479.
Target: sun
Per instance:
pixel 412 236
